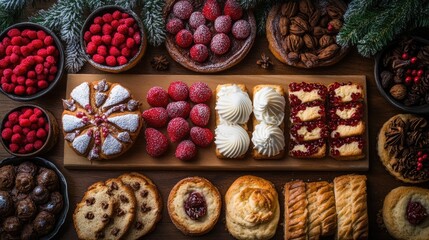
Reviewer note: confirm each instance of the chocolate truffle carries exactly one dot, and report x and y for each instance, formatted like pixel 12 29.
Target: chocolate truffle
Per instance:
pixel 48 178
pixel 17 196
pixel 40 194
pixel 44 223
pixel 7 175
pixel 24 182
pixel 26 209
pixel 11 225
pixel 54 205
pixel 27 167
pixel 28 232
pixel 6 204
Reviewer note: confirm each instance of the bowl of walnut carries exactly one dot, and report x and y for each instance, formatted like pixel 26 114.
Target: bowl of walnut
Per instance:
pixel 402 74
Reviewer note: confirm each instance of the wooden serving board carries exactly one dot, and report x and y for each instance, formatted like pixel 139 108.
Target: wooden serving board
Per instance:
pixel 137 158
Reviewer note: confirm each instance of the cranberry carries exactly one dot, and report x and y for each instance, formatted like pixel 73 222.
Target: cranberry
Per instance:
pixel 416 213
pixel 195 206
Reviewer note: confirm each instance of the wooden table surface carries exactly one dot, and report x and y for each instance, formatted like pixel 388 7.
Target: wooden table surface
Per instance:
pixel 379 181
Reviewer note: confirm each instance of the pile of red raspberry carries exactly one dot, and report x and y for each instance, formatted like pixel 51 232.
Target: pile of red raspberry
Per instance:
pixel 25 130
pixel 209 27
pixel 28 61
pixel 113 39
pixel 174 115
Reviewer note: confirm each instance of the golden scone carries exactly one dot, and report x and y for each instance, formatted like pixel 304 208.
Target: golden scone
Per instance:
pixel 252 208
pixel 194 205
pixel 405 213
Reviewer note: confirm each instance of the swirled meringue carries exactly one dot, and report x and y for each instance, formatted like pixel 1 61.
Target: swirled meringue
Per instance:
pixel 268 140
pixel 233 105
pixel 231 141
pixel 268 106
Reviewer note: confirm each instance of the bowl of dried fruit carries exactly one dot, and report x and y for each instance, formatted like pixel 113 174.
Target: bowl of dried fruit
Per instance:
pixel 402 74
pixel 31 61
pixel 28 131
pixel 113 39
pixel 303 33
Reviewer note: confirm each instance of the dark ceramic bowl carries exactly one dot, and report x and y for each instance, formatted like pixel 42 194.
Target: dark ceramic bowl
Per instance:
pixel 378 68
pixel 41 162
pixel 60 64
pixel 134 60
pixel 51 139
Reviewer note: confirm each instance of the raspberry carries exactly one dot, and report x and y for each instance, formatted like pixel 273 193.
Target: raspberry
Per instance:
pixel 51 50
pixel 220 44
pixel 200 92
pixel 41 34
pixel 125 15
pixel 48 41
pixel 32 34
pixel 130 43
pixel 178 91
pixel 155 117
pixel 202 137
pixel 211 10
pixel 8 124
pixel 91 48
pixel 17 129
pixel 16 138
pixel 186 150
pixel 157 97
pixel 37 43
pixel 106 39
pixel 31 90
pixel 37 112
pixel 223 24
pixel 98 59
pixel 183 9
pixel 114 51
pixel 29 147
pixel 31 136
pixel 96 39
pixel 202 35
pixel 17 41
pixel 200 115
pixel 174 25
pixel 137 38
pixel 117 15
pixel 19 90
pixel 178 109
pixel 34 119
pixel 177 129
pixel 24 122
pixel 27 112
pixel 241 29
pixel 6 134
pixel 13 117
pixel 130 22
pixel 41 133
pixel 156 142
pixel 107 18
pixel 25 131
pixel 115 24
pixel 106 29
pixel 41 52
pixel 184 38
pixel 123 29
pixel 111 61
pixel 121 60
pixel 25 51
pixel 196 19
pixel 95 28
pixel 87 36
pixel 14 58
pixel 42 84
pixel 38 144
pixel 13 147
pixel 118 39
pixel 41 122
pixel 199 52
pixel 126 52
pixel 233 9
pixel 14 32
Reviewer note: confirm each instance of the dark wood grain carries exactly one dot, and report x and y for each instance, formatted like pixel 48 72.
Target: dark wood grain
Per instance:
pixel 379 181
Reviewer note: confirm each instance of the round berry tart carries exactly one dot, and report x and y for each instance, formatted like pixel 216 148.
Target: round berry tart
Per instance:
pixel 405 213
pixel 113 39
pixel 210 35
pixel 101 120
pixel 194 205
pixel 303 33
pixel 31 61
pixel 403 147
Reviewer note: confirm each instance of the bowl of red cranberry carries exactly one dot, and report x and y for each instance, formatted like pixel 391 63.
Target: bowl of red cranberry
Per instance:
pixel 113 39
pixel 28 130
pixel 31 61
pixel 402 74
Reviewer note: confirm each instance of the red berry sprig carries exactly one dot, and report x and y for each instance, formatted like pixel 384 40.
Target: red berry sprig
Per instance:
pixel 421 158
pixel 412 75
pixel 113 39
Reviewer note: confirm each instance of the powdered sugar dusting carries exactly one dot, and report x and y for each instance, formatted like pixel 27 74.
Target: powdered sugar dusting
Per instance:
pixel 111 146
pixel 129 122
pixel 71 123
pixel 117 95
pixel 124 137
pixel 81 94
pixel 100 98
pixel 81 143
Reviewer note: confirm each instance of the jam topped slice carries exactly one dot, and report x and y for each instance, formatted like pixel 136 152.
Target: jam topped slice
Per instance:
pixel 416 213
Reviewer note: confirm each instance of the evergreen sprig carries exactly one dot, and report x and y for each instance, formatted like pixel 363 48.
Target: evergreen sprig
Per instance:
pixel 153 20
pixel 6 19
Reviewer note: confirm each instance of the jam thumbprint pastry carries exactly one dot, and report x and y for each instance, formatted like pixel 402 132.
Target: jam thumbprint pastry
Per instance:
pixel 403 147
pixel 194 206
pixel 345 92
pixel 406 213
pixel 101 120
pixel 252 208
pixel 303 92
pixel 351 206
pixel 268 122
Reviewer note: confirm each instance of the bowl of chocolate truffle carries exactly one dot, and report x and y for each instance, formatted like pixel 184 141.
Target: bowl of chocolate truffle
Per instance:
pixel 33 198
pixel 402 74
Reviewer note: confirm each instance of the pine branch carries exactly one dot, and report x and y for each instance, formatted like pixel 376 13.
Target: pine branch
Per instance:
pixel 13 6
pixel 153 20
pixel 261 13
pixel 128 4
pixel 94 4
pixel 246 4
pixel 5 19
pixel 75 57
pixel 356 28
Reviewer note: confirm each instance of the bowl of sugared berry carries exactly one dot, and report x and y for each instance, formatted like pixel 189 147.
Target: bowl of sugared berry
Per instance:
pixel 402 74
pixel 31 61
pixel 28 131
pixel 113 39
pixel 208 36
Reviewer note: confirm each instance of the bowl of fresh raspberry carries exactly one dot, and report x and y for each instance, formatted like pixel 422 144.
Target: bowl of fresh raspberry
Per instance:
pixel 31 61
pixel 113 39
pixel 28 131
